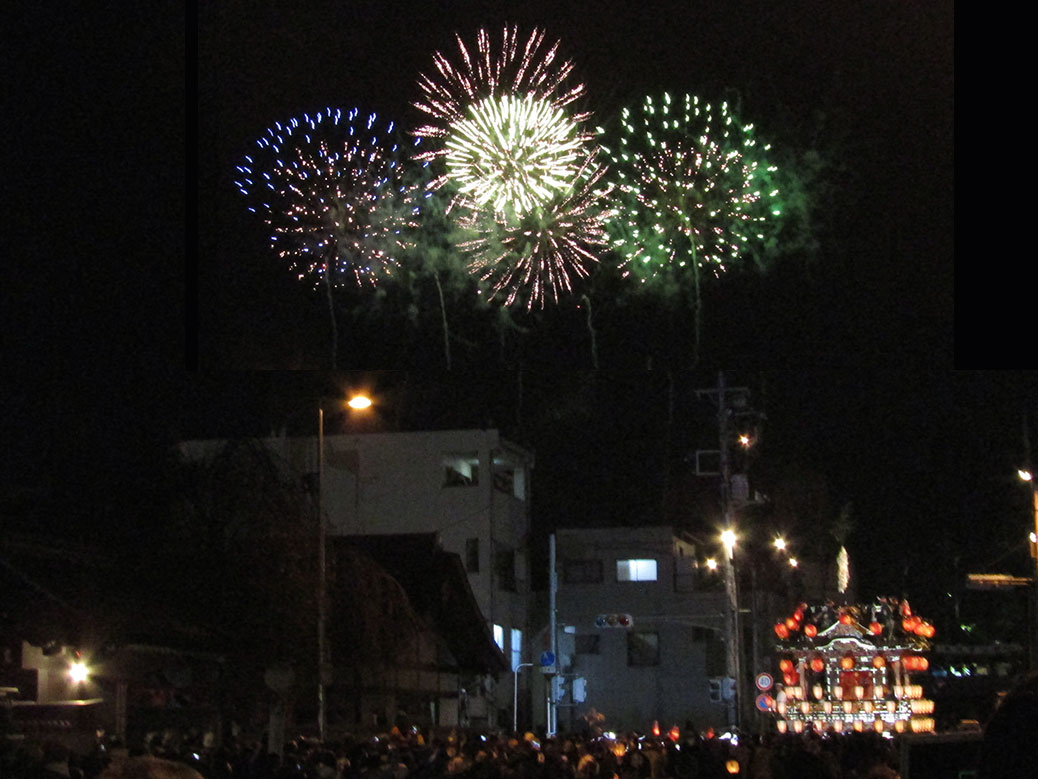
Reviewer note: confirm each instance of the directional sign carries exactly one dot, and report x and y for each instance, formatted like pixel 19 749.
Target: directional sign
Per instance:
pixel 764 681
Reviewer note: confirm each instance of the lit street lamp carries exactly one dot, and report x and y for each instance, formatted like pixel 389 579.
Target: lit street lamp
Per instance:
pixel 1026 475
pixel 324 671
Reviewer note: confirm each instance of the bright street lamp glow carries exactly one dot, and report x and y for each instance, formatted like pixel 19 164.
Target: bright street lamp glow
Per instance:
pixel 728 539
pixel 793 562
pixel 711 563
pixel 1025 475
pixel 780 543
pixel 77 672
pixel 358 402
pixel 744 440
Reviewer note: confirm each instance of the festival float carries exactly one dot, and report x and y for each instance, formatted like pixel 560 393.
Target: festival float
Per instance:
pixel 850 668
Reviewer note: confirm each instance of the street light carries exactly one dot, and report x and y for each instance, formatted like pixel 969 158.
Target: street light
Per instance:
pixel 324 671
pixel 1027 476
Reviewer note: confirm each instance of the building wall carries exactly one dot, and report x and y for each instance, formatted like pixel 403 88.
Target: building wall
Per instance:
pixel 658 669
pixel 471 487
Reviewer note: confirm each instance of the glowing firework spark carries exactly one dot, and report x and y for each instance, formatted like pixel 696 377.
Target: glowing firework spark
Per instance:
pixel 498 119
pixel 537 256
pixel 333 195
pixel 694 186
pixel 513 153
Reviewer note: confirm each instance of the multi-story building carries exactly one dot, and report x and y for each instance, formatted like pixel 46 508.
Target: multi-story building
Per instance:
pixel 469 487
pixel 639 630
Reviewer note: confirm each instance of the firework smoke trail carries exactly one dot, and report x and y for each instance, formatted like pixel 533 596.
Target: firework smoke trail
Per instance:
pixel 334 196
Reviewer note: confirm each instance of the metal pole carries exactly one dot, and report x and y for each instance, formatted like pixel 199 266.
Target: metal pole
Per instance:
pixel 515 695
pixel 321 574
pixel 553 616
pixel 731 585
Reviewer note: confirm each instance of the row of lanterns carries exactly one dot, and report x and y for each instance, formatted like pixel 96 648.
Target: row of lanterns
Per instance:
pixel 857 692
pixel 915 725
pixel 847 662
pixel 910 624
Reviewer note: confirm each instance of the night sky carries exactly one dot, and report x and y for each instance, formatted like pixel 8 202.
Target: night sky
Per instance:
pixel 112 355
pixel 869 87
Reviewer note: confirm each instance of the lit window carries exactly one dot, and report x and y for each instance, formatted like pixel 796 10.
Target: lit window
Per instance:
pixel 636 570
pixel 461 469
pixel 517 647
pixel 499 637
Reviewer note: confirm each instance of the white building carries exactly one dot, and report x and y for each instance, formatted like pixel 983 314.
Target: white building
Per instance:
pixel 470 487
pixel 655 664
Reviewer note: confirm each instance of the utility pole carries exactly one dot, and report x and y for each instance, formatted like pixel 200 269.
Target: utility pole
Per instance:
pixel 728 398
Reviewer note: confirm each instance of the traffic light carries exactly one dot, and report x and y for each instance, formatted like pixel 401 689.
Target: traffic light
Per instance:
pixel 728 688
pixel 579 689
pixel 715 690
pixel 614 621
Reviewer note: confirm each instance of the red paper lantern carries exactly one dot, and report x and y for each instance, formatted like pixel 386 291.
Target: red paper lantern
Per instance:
pixel 792 624
pixel 785 665
pixel 781 630
pixel 909 662
pixel 846 619
pixel 817 664
pixel 909 624
pixel 875 628
pixel 810 630
pixel 847 662
pixel 921 664
pixel 879 661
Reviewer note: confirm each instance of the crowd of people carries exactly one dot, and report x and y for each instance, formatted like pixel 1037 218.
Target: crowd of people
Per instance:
pixel 411 754
pixel 1006 752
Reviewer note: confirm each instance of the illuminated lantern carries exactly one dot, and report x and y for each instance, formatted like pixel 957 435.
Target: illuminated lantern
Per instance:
pixel 798 726
pixel 838 726
pixel 859 691
pixel 859 726
pixel 785 665
pixel 817 692
pixel 781 726
pixel 921 664
pixel 805 708
pixel 781 630
pixel 875 628
pixel 817 664
pixel 878 691
pixel 926 630
pixel 846 619
pixel 908 662
pixel 674 733
pixel 655 728
pixel 792 624
pixel 879 661
pixel 799 613
pixel 878 725
pixel 847 662
pixel 732 766
pixel 837 691
pixel 810 630
pixel 891 706
pixel 899 726
pixel 898 690
pixel 866 706
pixel 909 624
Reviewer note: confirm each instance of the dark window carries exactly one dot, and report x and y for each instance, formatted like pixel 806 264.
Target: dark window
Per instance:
pixel 586 644
pixel 643 648
pixel 504 563
pixel 702 634
pixel 582 571
pixel 472 555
